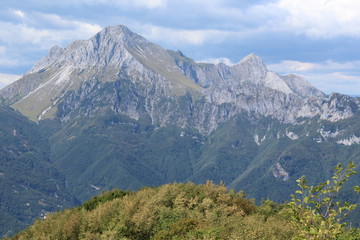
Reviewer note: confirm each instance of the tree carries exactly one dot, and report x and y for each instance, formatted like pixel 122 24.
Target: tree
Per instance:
pixel 315 211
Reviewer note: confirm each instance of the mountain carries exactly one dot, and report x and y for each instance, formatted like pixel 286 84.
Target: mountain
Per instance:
pixel 120 111
pixel 30 186
pixel 117 54
pixel 113 53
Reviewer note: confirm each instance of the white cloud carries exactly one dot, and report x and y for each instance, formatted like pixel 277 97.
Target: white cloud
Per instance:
pixel 8 58
pixel 322 18
pixel 19 13
pixel 21 42
pixel 30 32
pixel 44 38
pixel 217 61
pixel 329 76
pixel 336 82
pixel 150 4
pixel 294 66
pixel 315 19
pixel 181 36
pixel 289 66
pixel 6 79
pixel 178 36
pixel 2 50
pixel 217 20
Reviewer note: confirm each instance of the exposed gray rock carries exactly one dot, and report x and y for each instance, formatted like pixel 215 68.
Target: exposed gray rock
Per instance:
pixel 301 87
pixel 121 71
pixel 280 172
pixel 53 55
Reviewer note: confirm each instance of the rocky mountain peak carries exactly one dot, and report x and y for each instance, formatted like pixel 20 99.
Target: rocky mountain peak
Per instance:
pixel 250 69
pixel 252 59
pixel 118 30
pixel 119 34
pixel 109 47
pixel 157 81
pixel 54 53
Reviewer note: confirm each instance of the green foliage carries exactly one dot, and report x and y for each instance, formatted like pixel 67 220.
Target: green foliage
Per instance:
pixel 188 211
pixel 268 209
pixel 104 197
pixel 315 211
pixel 173 211
pixel 29 185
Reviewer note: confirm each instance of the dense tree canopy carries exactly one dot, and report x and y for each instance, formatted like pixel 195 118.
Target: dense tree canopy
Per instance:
pixel 208 211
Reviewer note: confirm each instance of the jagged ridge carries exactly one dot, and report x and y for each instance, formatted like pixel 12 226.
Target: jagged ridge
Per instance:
pixel 116 53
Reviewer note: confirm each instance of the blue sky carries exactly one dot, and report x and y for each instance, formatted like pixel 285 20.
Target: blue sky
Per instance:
pixel 318 40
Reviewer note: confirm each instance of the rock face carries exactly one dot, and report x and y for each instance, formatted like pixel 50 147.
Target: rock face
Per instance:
pixel 161 82
pixel 113 54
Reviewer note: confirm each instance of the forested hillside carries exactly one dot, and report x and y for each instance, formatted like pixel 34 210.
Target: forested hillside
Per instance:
pixel 30 186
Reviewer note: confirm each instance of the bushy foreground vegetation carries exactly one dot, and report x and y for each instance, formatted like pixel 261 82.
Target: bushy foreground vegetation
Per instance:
pixel 209 211
pixel 174 211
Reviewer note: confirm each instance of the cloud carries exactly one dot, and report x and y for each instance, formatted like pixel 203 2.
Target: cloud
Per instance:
pixel 23 43
pixel 16 34
pixel 217 61
pixel 132 3
pixel 336 82
pixel 10 58
pixel 117 3
pixel 180 36
pixel 2 50
pixel 322 18
pixel 45 30
pixel 303 67
pixel 19 13
pixel 329 76
pixel 198 22
pixel 148 4
pixel 6 79
pixel 294 66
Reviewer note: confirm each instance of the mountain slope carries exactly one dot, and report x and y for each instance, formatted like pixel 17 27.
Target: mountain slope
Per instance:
pixel 113 52
pixel 30 187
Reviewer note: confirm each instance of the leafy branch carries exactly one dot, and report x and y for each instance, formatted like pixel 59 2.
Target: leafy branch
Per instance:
pixel 315 212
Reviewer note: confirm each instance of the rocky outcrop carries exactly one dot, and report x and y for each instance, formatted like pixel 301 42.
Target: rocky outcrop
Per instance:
pixel 121 71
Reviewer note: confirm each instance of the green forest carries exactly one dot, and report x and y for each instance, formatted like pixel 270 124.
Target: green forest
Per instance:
pixel 206 211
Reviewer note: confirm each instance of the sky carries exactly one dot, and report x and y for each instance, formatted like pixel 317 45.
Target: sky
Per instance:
pixel 316 39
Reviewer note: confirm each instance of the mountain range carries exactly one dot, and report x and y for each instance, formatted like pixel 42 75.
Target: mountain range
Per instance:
pixel 117 111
